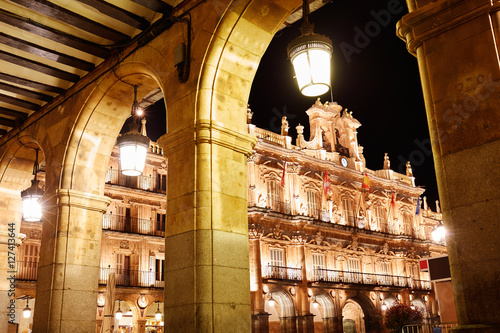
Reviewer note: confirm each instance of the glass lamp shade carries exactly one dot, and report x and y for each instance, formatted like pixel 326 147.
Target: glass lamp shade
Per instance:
pixel 26 312
pixel 384 307
pixel 158 315
pixel 133 148
pixel 32 209
pixel 118 314
pixel 315 305
pixel 310 55
pixel 271 302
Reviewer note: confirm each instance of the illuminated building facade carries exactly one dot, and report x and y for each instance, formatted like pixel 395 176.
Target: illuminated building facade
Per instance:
pixel 331 243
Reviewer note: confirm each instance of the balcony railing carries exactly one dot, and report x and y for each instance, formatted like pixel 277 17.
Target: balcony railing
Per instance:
pixel 27 270
pixel 132 278
pixel 339 276
pixel 130 224
pixel 282 273
pixel 146 183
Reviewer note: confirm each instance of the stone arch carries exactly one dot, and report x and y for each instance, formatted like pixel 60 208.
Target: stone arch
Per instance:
pixel 421 306
pixel 326 322
pixel 284 310
pixel 367 307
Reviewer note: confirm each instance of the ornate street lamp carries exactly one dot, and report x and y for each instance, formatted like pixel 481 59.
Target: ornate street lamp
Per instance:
pixel 133 146
pixel 310 55
pixel 32 209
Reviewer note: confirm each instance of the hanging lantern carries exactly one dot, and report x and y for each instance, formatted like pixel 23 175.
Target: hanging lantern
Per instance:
pixel 158 313
pixel 439 233
pixel 32 209
pixel 133 148
pixel 310 55
pixel 118 313
pixel 133 145
pixel 27 310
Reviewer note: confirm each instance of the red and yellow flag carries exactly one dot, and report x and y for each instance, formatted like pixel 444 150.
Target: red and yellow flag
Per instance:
pixel 367 183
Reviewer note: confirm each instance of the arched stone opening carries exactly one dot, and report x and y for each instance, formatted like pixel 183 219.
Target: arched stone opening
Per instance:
pixel 325 314
pixel 361 313
pixel 282 314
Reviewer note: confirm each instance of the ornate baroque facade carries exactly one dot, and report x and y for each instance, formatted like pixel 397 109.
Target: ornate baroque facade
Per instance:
pixel 326 253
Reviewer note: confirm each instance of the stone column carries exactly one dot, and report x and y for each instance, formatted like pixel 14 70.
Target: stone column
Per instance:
pixel 206 243
pixel 68 273
pixel 456 45
pixel 260 322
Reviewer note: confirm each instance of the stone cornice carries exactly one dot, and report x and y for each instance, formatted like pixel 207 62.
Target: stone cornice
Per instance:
pixel 436 17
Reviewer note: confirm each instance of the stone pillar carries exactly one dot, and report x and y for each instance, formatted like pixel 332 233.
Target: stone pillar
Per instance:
pixel 68 273
pixel 305 323
pixel 206 243
pixel 260 322
pixel 288 324
pixel 141 325
pixel 456 45
pixel 329 325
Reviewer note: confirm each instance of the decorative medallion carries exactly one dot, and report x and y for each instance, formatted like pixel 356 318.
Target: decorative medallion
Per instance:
pixel 161 249
pixel 142 301
pixel 36 234
pixel 124 244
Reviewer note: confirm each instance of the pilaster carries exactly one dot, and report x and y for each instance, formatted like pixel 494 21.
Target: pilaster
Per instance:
pixel 68 271
pixel 456 44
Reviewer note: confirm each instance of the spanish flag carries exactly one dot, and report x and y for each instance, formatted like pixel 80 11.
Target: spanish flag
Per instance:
pixel 367 183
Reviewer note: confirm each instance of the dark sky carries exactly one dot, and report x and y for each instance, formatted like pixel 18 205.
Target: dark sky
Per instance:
pixel 375 77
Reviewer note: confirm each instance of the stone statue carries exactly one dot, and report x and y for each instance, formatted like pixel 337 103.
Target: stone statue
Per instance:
pixel 409 171
pixel 438 209
pixel 284 126
pixel 387 162
pixel 249 114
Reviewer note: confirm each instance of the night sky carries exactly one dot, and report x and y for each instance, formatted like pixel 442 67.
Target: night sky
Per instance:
pixel 374 77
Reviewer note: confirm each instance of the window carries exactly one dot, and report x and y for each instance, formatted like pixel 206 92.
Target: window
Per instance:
pixel 385 271
pixel 160 274
pixel 354 268
pixel 348 207
pixel 28 268
pixel 273 195
pixel 278 271
pixel 312 203
pixel 160 222
pixel 318 266
pixel 161 183
pixel 407 222
pixel 157 272
pixel 381 218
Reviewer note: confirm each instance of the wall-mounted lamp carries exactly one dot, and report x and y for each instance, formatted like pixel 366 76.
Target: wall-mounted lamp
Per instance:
pixel 133 146
pixel 32 209
pixel 315 303
pixel 271 300
pixel 310 55
pixel 439 233
pixel 384 306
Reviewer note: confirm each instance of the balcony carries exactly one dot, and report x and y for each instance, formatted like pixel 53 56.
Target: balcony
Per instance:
pixel 145 183
pixel 130 225
pixel 26 270
pixel 132 278
pixel 346 277
pixel 282 273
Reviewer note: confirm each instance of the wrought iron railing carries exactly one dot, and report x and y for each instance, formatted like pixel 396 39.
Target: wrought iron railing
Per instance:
pixel 130 224
pixel 429 328
pixel 27 270
pixel 146 183
pixel 132 278
pixel 339 276
pixel 282 273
